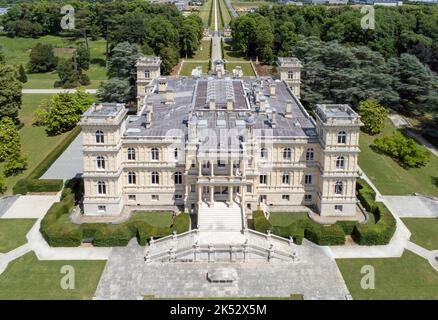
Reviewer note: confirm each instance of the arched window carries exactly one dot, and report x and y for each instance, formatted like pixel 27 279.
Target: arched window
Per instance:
pixel 176 153
pixel 339 187
pixel 263 153
pixel 131 154
pixel 178 178
pixel 155 154
pixel 285 178
pixel 340 162
pixel 310 154
pixel 101 187
pixel 132 178
pixel 99 136
pixel 155 178
pixel 100 162
pixel 287 154
pixel 342 137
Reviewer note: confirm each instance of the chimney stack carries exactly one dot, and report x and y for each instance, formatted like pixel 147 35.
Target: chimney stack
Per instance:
pixel 149 110
pixel 169 97
pixel 272 87
pixel 162 85
pixel 262 105
pixel 288 110
pixel 212 104
pixel 274 118
pixel 230 104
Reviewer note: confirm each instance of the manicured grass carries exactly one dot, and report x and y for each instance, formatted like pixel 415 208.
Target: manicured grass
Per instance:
pixel 156 219
pixel 389 177
pixel 204 12
pixel 28 278
pixel 244 4
pixel 187 67
pixel 226 17
pixel 204 51
pixel 424 231
pixel 17 50
pixel 408 277
pixel 283 219
pixel 246 68
pixel 231 54
pixel 13 233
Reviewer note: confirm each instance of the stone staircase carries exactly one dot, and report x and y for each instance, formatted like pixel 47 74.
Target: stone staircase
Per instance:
pixel 220 217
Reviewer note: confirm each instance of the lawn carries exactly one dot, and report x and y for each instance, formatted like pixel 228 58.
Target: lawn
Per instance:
pixel 204 12
pixel 244 4
pixel 226 17
pixel 389 177
pixel 27 278
pixel 17 50
pixel 231 54
pixel 35 143
pixel 283 219
pixel 408 277
pixel 246 68
pixel 424 231
pixel 187 67
pixel 13 233
pixel 156 219
pixel 204 51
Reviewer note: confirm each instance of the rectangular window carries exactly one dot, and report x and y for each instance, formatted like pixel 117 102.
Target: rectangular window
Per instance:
pixel 285 179
pixel 221 164
pixel 155 197
pixel 339 207
pixel 263 179
pixel 248 206
pixel 307 197
pixel 132 197
pixel 308 179
pixel 192 188
pixel 285 197
pixel 263 198
pixel 249 188
pixel 178 196
pixel 101 208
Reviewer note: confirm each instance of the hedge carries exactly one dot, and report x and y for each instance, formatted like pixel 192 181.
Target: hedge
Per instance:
pixel 32 183
pixel 378 233
pixel 59 231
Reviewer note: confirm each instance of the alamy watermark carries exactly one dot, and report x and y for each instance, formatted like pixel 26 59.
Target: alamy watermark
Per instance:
pixel 68 281
pixel 68 20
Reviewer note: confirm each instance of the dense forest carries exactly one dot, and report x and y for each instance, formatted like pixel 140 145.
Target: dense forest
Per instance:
pixel 395 63
pixel 157 29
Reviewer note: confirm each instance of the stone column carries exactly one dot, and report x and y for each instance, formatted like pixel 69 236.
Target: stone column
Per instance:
pixel 231 167
pixel 230 194
pixel 199 168
pixel 212 168
pixel 212 195
pixel 199 194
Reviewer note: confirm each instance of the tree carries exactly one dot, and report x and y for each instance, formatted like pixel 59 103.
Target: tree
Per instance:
pixel 373 115
pixel 115 90
pixel 70 77
pixel 3 186
pixel 22 74
pixel 15 164
pixel 63 111
pixel 42 59
pixel 10 92
pixel 9 138
pixel 83 58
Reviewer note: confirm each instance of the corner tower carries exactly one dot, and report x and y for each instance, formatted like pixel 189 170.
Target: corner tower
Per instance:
pixel 148 69
pixel 338 129
pixel 290 71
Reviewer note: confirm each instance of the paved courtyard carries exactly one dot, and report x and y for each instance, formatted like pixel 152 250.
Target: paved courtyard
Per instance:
pixel 412 206
pixel 29 206
pixel 127 276
pixel 69 164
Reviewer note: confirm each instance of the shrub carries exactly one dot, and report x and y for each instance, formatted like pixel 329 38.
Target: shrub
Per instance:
pixel 324 235
pixel 24 186
pixel 261 224
pixel 181 223
pixel 112 236
pixel 402 149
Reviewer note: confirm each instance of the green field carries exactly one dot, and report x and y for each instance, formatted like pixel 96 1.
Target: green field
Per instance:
pixel 248 3
pixel 204 12
pixel 17 50
pixel 156 219
pixel 35 143
pixel 225 17
pixel 283 219
pixel 13 233
pixel 408 277
pixel 28 278
pixel 231 54
pixel 187 67
pixel 203 52
pixel 246 68
pixel 389 177
pixel 424 231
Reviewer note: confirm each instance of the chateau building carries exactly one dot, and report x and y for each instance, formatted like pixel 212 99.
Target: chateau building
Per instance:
pixel 230 142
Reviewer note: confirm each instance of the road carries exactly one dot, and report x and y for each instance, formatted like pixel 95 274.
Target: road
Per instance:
pixel 216 51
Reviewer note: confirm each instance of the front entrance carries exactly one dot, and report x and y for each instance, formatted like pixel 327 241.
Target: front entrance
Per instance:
pixel 221 194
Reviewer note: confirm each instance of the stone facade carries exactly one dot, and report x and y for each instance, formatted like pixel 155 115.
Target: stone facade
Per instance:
pixel 205 140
